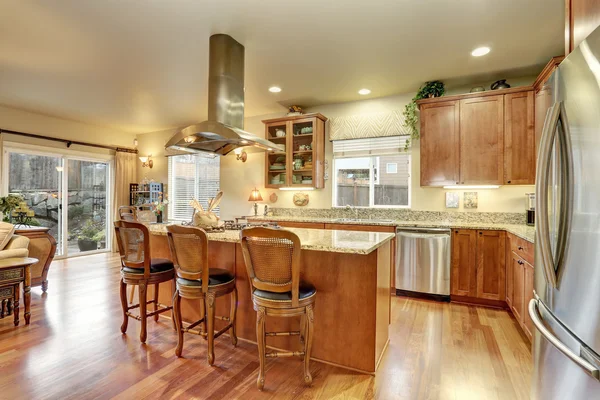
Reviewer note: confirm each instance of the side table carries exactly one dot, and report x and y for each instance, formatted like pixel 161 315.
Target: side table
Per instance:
pixel 13 272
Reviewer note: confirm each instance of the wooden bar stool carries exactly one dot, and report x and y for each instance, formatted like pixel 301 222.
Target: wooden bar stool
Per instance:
pixel 138 269
pixel 194 279
pixel 272 258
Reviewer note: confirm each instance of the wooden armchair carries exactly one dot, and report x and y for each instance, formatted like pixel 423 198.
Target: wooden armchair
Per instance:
pixel 272 258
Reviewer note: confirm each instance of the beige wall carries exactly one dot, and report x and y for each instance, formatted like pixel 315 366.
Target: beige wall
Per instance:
pixel 238 179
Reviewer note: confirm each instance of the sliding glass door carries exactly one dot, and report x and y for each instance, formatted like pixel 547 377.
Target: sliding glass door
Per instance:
pixel 68 194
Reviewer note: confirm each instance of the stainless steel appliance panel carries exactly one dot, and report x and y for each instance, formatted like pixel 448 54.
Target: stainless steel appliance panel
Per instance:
pixel 569 251
pixel 423 260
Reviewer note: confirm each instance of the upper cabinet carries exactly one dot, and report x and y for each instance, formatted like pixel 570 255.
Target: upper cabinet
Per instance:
pixel 543 97
pixel 478 139
pixel 441 122
pixel 582 17
pixel 301 162
pixel 481 139
pixel 519 138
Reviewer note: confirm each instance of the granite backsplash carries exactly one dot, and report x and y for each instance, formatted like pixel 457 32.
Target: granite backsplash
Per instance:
pixel 405 215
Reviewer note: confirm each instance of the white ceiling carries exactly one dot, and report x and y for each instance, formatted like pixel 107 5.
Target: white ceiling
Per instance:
pixel 142 65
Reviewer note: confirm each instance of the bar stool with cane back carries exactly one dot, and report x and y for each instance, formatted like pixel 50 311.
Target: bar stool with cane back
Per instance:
pixel 272 258
pixel 194 279
pixel 138 269
pixel 128 213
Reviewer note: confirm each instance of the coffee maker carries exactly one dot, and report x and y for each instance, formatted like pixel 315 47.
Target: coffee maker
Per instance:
pixel 530 206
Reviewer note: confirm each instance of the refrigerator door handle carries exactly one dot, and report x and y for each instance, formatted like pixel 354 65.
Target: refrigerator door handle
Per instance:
pixel 536 318
pixel 542 230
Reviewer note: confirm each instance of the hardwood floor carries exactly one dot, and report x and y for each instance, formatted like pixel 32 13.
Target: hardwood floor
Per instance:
pixel 73 349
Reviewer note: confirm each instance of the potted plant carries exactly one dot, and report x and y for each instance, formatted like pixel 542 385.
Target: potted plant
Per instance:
pixel 159 205
pixel 89 236
pixel 7 204
pixel 428 90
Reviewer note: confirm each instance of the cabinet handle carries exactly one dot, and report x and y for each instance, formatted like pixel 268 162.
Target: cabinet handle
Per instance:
pixel 481 233
pixel 457 183
pixel 520 248
pixel 508 181
pixel 520 262
pixel 455 231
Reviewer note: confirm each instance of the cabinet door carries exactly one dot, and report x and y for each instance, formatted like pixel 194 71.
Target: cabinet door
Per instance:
pixel 582 17
pixel 518 287
pixel 277 163
pixel 464 269
pixel 481 140
pixel 527 296
pixel 491 255
pixel 439 149
pixel 519 139
pixel 509 273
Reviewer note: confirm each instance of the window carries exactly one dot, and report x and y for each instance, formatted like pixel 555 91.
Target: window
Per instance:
pixel 192 177
pixel 371 172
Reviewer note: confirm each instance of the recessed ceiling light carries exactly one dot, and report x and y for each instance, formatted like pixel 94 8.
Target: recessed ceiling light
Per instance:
pixel 274 89
pixel 364 92
pixel 480 51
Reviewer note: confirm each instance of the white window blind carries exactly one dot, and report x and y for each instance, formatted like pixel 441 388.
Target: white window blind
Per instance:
pixel 192 177
pixel 369 147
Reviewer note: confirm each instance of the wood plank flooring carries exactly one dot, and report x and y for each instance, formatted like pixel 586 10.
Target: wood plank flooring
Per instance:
pixel 73 349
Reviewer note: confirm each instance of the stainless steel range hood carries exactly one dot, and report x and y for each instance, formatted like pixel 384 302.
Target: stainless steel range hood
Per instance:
pixel 223 132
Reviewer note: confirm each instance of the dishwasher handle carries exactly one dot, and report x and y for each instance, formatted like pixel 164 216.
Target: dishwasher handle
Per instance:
pixel 400 230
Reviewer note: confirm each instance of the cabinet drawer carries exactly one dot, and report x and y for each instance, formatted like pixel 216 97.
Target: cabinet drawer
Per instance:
pixel 367 228
pixel 522 248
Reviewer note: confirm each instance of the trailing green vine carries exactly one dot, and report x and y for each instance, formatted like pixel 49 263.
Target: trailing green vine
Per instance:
pixel 429 89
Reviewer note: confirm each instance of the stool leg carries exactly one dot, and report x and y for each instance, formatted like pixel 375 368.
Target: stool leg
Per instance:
pixel 308 343
pixel 123 293
pixel 16 305
pixel 131 294
pixel 2 308
pixel 177 320
pixel 143 313
pixel 302 327
pixel 210 334
pixel 156 301
pixel 203 314
pixel 260 339
pixel 232 316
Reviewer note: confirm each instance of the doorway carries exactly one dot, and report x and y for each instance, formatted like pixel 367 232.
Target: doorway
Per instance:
pixel 68 193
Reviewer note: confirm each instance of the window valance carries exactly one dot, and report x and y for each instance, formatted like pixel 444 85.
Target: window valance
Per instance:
pixel 367 126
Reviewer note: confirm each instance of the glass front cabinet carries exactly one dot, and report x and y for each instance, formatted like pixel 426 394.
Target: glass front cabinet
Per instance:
pixel 301 162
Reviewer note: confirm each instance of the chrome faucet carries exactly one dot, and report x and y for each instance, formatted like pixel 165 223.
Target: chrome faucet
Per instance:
pixel 352 208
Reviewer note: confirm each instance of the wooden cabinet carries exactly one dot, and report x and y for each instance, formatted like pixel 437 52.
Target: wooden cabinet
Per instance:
pixel 302 162
pixel 519 283
pixel 519 139
pixel 478 138
pixel 543 98
pixel 491 258
pixel 478 265
pixel 294 224
pixel 464 268
pixel 440 143
pixel 581 18
pixel 481 140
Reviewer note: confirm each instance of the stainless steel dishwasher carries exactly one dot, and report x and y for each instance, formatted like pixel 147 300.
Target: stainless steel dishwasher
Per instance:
pixel 423 262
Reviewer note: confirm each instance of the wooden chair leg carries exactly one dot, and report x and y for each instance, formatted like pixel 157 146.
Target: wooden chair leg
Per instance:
pixel 123 293
pixel 178 323
pixel 308 343
pixel 156 286
pixel 16 304
pixel 210 334
pixel 2 308
pixel 302 328
pixel 143 313
pixel 131 294
pixel 260 339
pixel 203 315
pixel 232 316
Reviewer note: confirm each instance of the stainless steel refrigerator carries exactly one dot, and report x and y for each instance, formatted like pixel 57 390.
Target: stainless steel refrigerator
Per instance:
pixel 566 306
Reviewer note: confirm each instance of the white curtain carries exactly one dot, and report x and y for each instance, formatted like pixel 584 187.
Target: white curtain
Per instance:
pixel 125 173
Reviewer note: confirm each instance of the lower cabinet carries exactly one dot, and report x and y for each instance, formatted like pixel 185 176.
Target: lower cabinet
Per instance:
pixel 519 283
pixel 478 265
pixel 294 224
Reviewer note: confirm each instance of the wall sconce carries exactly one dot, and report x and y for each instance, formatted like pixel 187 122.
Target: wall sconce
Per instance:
pixel 147 161
pixel 240 154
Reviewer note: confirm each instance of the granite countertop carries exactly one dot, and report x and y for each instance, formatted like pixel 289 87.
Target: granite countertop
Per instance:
pixel 523 231
pixel 334 241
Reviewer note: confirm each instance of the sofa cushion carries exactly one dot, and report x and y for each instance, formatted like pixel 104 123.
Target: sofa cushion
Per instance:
pixel 6 232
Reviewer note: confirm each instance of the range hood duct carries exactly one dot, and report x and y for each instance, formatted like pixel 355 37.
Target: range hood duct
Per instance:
pixel 224 130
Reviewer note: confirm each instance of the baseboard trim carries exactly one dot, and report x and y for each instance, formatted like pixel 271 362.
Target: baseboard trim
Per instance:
pixel 425 296
pixel 479 302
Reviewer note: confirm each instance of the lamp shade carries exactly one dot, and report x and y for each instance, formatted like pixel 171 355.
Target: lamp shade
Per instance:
pixel 255 196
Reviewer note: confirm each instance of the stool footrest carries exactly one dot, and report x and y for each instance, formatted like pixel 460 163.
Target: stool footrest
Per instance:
pixel 293 333
pixel 275 354
pixel 150 314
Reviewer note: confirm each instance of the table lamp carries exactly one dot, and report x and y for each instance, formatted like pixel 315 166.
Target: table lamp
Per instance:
pixel 255 197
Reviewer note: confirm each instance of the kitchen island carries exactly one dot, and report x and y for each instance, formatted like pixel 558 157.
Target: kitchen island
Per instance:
pixel 351 272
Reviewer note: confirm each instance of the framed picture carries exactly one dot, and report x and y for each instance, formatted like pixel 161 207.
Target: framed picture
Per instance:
pixel 470 200
pixel 452 200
